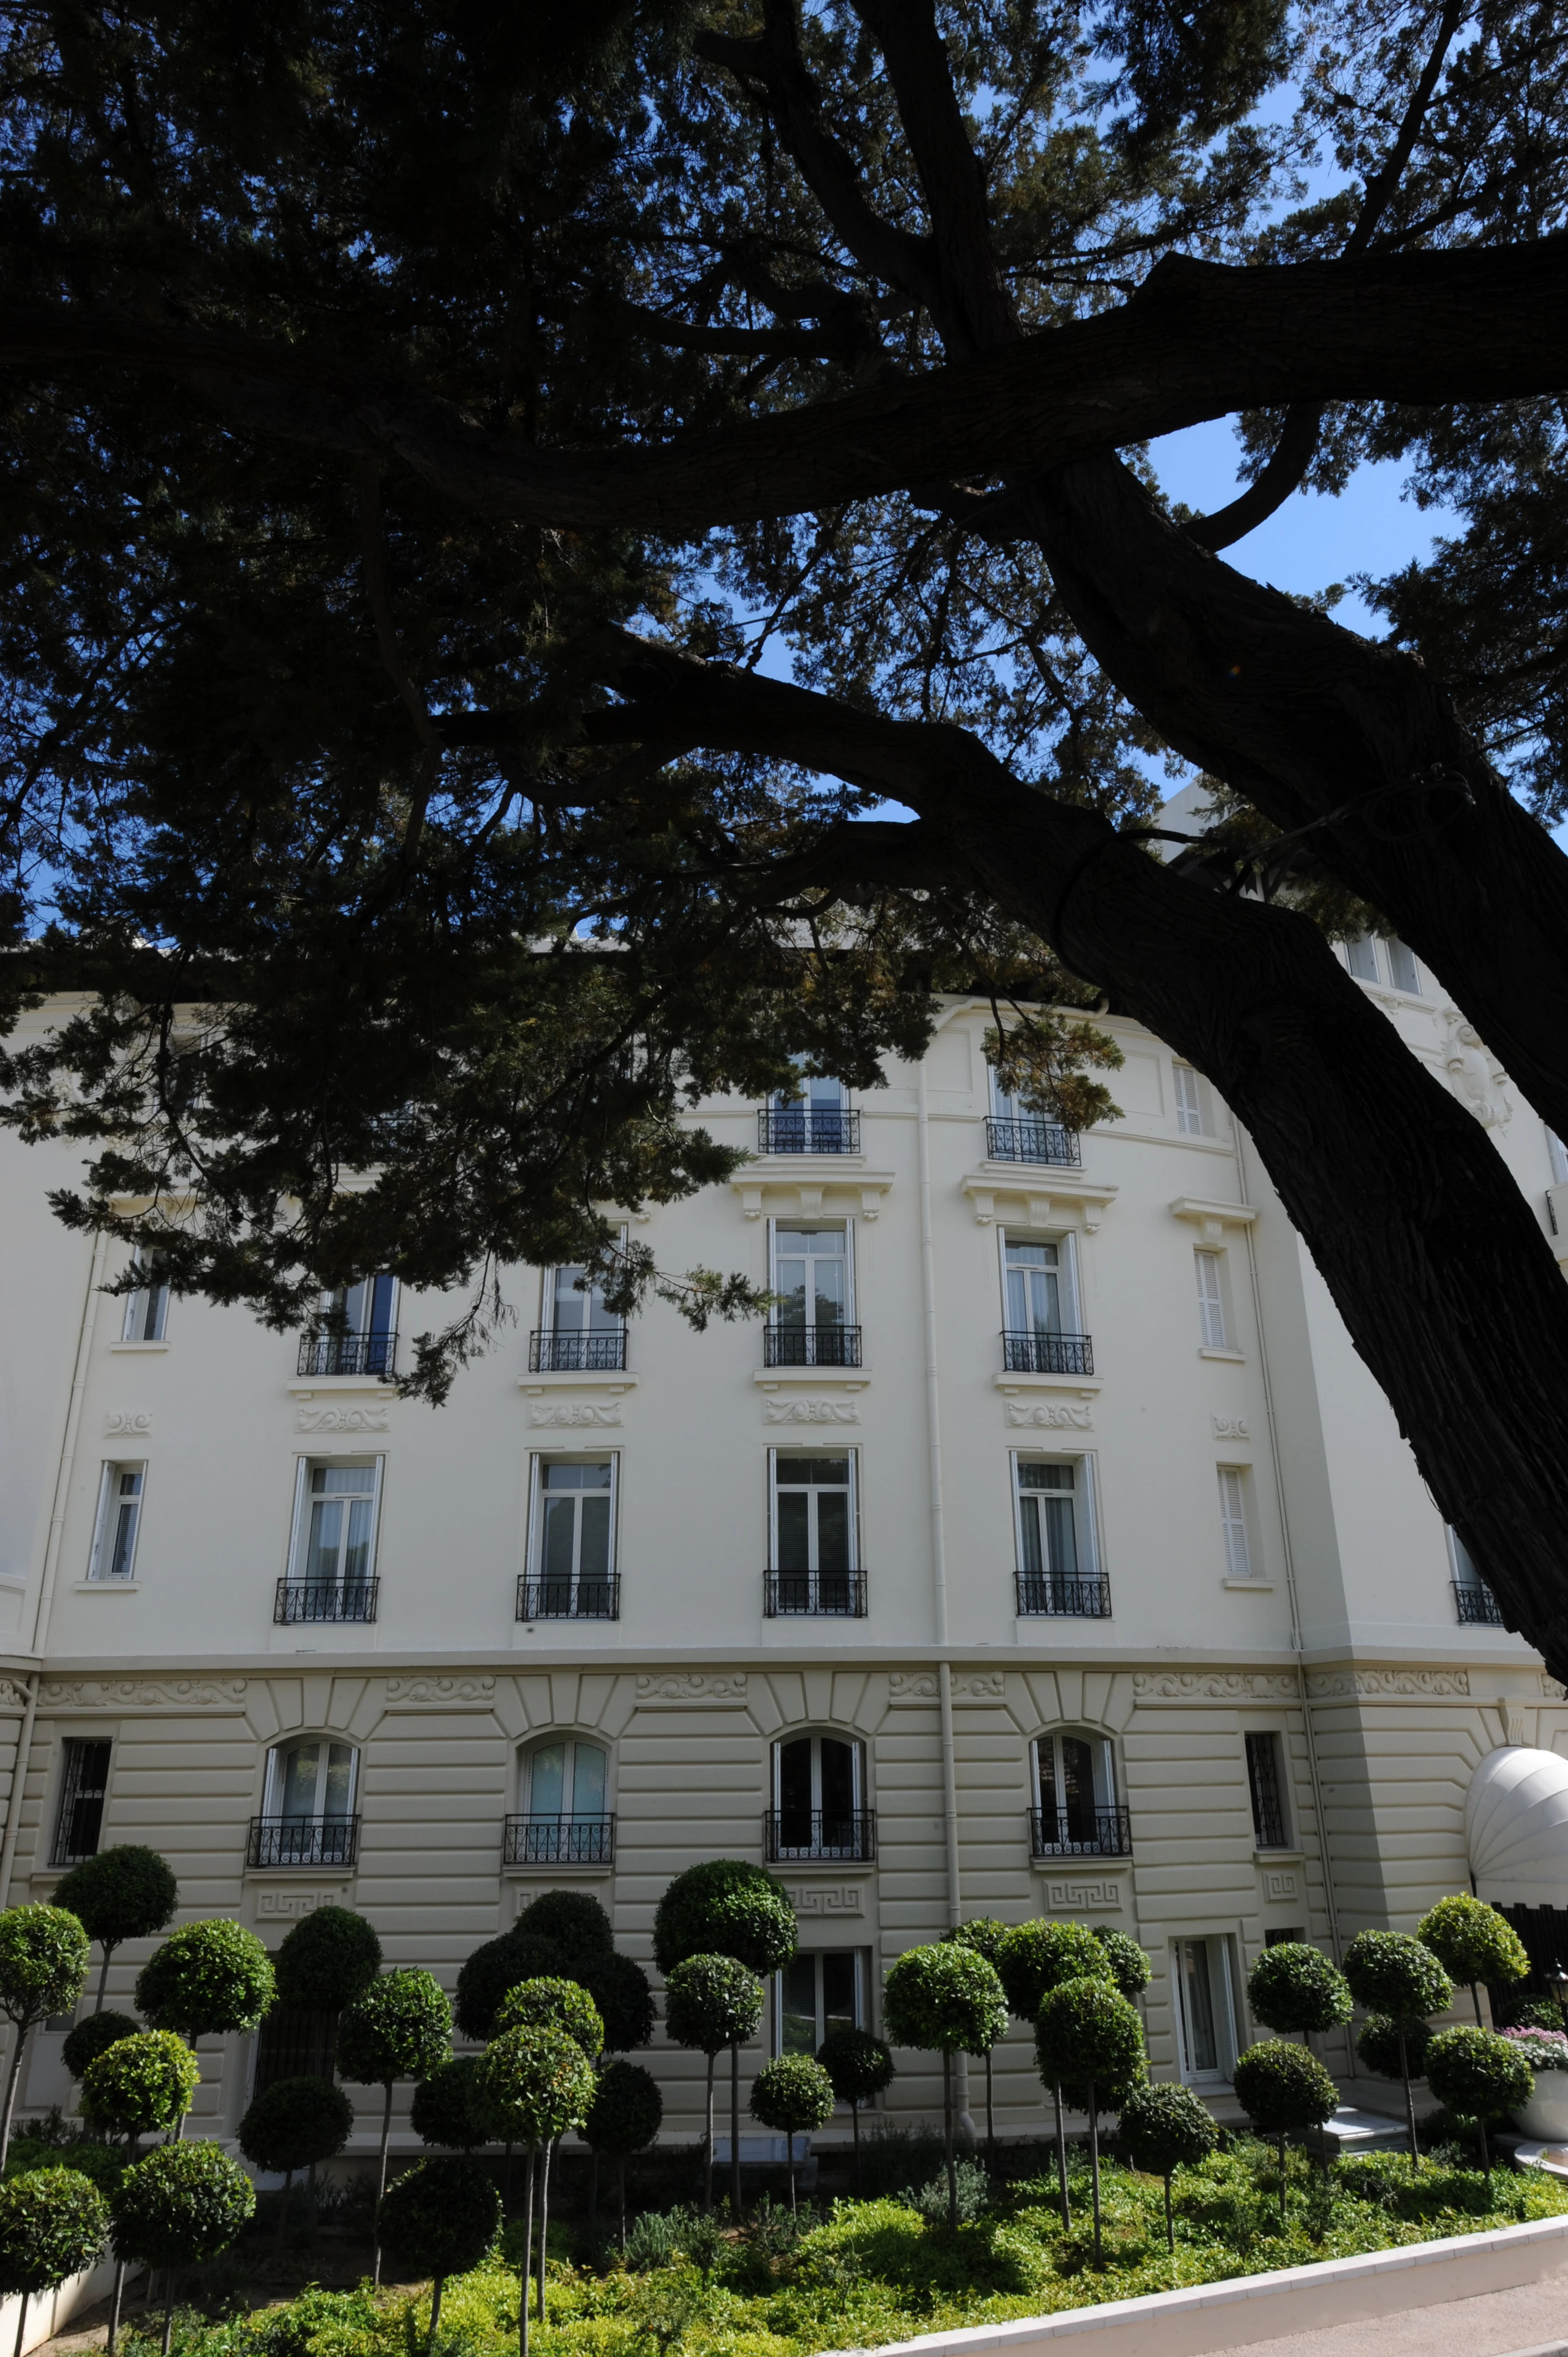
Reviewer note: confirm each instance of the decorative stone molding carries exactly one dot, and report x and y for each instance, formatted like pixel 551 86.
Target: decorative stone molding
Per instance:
pixel 1474 1075
pixel 12 1695
pixel 798 1182
pixel 341 1419
pixel 1231 1428
pixel 133 1422
pixel 985 1685
pixel 693 1685
pixel 481 1690
pixel 829 1898
pixel 911 1685
pixel 289 1906
pixel 810 1411
pixel 146 1694
pixel 1047 1416
pixel 594 1413
pixel 1325 1685
pixel 1553 1688
pixel 1213 1219
pixel 1045 1197
pixel 1215 1686
pixel 1091 1897
pixel 1279 1882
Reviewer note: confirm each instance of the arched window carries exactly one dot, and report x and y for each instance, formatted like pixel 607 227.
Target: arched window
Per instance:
pixel 308 1816
pixel 819 1800
pixel 563 1787
pixel 1076 1812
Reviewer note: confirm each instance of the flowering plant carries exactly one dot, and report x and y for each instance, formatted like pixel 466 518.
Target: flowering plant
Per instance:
pixel 1547 2049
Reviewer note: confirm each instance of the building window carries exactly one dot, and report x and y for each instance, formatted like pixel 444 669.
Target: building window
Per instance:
pixel 355 1332
pixel 1361 957
pixel 819 1989
pixel 579 1334
pixel 1017 1131
pixel 1557 1157
pixel 814 1538
pixel 1402 970
pixel 84 1787
pixel 331 1572
pixel 1039 1293
pixel 564 1818
pixel 812 1117
pixel 1266 1784
pixel 818 1801
pixel 572 1552
pixel 308 1813
pixel 811 1324
pixel 1057 1572
pixel 1211 1301
pixel 1473 1599
pixel 146 1308
pixel 1206 2009
pixel 1233 1523
pixel 1077 1814
pixel 118 1522
pixel 1195 1112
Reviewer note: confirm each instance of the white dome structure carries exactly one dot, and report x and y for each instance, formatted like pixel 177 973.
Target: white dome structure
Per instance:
pixel 1516 1827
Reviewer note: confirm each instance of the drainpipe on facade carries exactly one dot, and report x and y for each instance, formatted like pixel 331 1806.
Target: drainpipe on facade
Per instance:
pixel 939 1550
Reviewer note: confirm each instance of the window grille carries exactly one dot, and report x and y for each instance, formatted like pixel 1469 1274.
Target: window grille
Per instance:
pixel 83 1794
pixel 1268 1801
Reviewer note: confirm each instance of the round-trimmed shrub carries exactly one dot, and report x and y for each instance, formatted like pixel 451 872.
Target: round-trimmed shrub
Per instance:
pixel 1295 1987
pixel 207 1980
pixel 447 2109
pixel 440 2218
pixel 127 1892
pixel 329 1958
pixel 184 2202
pixel 1283 2090
pixel 622 1992
pixel 1039 1956
pixel 1471 1940
pixel 627 2111
pixel 1088 2041
pixel 793 2095
pixel 142 2085
pixel 1378 2045
pixel 861 2067
pixel 573 1922
pixel 106 2164
pixel 294 2123
pixel 944 1998
pixel 398 2028
pixel 710 2002
pixel 1392 1973
pixel 984 1933
pixel 43 1962
pixel 1164 2128
pixel 563 2004
pixel 1130 1969
pixel 53 2224
pixel 725 1908
pixel 493 1969
pixel 536 2082
pixel 1478 2074
pixel 94 2035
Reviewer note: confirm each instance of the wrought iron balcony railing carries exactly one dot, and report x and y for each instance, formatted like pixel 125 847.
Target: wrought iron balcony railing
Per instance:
pixel 810 1346
pixel 559 1841
pixel 303 1841
pixel 1031 1141
pixel 1042 1594
pixel 568 1600
pixel 575 1355
pixel 347 1354
pixel 788 1834
pixel 1047 1354
pixel 326 1600
pixel 1478 1604
pixel 808 1129
pixel 1080 1832
pixel 815 1595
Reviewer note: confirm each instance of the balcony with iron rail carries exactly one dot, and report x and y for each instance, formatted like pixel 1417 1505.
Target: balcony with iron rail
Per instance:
pixel 303 1841
pixel 576 1354
pixel 568 1600
pixel 347 1354
pixel 810 1346
pixel 808 1130
pixel 1477 1606
pixel 1080 1832
pixel 1037 1353
pixel 1032 1141
pixel 795 1837
pixel 1042 1594
pixel 813 1595
pixel 316 1600
pixel 559 1841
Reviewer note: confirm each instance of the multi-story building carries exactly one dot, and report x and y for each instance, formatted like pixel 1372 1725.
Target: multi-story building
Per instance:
pixel 1049 1551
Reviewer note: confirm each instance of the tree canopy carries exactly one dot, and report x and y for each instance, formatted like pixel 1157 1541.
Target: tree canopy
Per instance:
pixel 426 437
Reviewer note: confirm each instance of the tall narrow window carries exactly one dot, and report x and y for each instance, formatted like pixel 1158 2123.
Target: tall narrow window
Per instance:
pixel 819 1989
pixel 565 1817
pixel 1265 1784
pixel 1018 1130
pixel 1211 1302
pixel 332 1560
pixel 579 1333
pixel 1077 1813
pixel 84 1787
pixel 308 1815
pixel 811 1117
pixel 1041 1336
pixel 572 1574
pixel 1206 2009
pixel 1361 957
pixel 1473 1599
pixel 811 1324
pixel 1233 1523
pixel 1057 1571
pixel 146 1309
pixel 1557 1155
pixel 118 1522
pixel 818 1801
pixel 1194 1118
pixel 355 1332
pixel 815 1567
pixel 1402 970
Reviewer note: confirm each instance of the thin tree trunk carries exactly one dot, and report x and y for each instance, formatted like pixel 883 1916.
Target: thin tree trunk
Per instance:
pixel 544 2220
pixel 103 1975
pixel 990 2121
pixel 1486 2157
pixel 435 2292
pixel 708 2156
pixel 382 2182
pixel 1409 2108
pixel 1476 2001
pixel 525 2280
pixel 855 2132
pixel 168 2314
pixel 505 2177
pixel 1061 2159
pixel 12 2077
pixel 283 2212
pixel 620 2191
pixel 1170 2226
pixel 593 2187
pixel 790 2164
pixel 734 2132
pixel 1282 2147
pixel 1094 2165
pixel 947 2141
pixel 22 2324
pixel 116 2298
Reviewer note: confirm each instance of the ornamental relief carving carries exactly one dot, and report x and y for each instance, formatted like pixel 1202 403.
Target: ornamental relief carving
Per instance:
pixel 811 1411
pixel 829 1898
pixel 911 1685
pixel 1047 1416
pixel 1091 1897
pixel 133 1422
pixel 1215 1686
pixel 1553 1688
pixel 1231 1428
pixel 985 1685
pixel 341 1419
pixel 480 1690
pixel 289 1906
pixel 12 1696
pixel 1326 1683
pixel 594 1413
pixel 129 1693
pixel 693 1685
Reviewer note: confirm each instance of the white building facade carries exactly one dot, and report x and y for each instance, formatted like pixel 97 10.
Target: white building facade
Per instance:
pixel 1049 1552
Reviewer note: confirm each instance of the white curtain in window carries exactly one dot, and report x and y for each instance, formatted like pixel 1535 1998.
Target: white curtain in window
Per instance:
pixel 1047 1521
pixel 577 1521
pixel 342 1524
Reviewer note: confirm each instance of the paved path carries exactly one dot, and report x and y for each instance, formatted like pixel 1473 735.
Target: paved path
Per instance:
pixel 1530 2321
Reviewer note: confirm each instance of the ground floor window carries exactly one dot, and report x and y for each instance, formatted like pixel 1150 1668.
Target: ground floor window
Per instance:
pixel 1206 2008
pixel 819 1990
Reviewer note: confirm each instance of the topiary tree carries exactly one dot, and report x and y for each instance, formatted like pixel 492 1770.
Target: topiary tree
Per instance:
pixel 1033 1959
pixel 294 2124
pixel 43 1964
pixel 440 2218
pixel 208 1980
pixel 860 2067
pixel 553 2004
pixel 1131 1967
pixel 399 2028
pixel 447 2108
pixel 1283 2090
pixel 539 2084
pixel 1472 1941
pixel 142 2085
pixel 711 2002
pixel 1476 2072
pixel 1378 2047
pixel 94 2035
pixel 947 1999
pixel 1089 2042
pixel 621 1990
pixel 494 1968
pixel 1165 2128
pixel 792 2095
pixel 984 1934
pixel 726 1907
pixel 574 1925
pixel 1392 1975
pixel 329 1958
pixel 624 2116
pixel 183 2203
pixel 53 2224
pixel 123 1893
pixel 1295 1985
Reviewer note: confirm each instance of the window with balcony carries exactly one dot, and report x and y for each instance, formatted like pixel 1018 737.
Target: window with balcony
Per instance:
pixel 118 1522
pixel 579 1335
pixel 1266 1788
pixel 818 1801
pixel 812 1117
pixel 811 1324
pixel 1057 1572
pixel 1213 1323
pixel 819 1989
pixel 1473 1599
pixel 1041 1336
pixel 84 1788
pixel 1203 1973
pixel 332 1573
pixel 815 1552
pixel 564 1819
pixel 146 1308
pixel 1194 1104
pixel 572 1543
pixel 1076 1812
pixel 1235 1522
pixel 355 1331
pixel 308 1807
pixel 1017 1131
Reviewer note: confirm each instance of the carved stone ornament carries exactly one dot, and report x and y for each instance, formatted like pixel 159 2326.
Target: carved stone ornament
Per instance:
pixel 133 1422
pixel 829 1898
pixel 911 1685
pixel 441 1689
pixel 1231 1428
pixel 1278 1883
pixel 1048 1415
pixel 289 1906
pixel 1215 1686
pixel 1090 1896
pixel 1326 1683
pixel 341 1419
pixel 1553 1688
pixel 131 1693
pixel 1476 1076
pixel 811 1411
pixel 595 1413
pixel 693 1685
pixel 985 1685
pixel 12 1695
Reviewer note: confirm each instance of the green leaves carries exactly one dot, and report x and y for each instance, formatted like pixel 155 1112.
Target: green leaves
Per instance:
pixel 141 2084
pixel 1472 1941
pixel 627 2111
pixel 944 1997
pixel 557 2005
pixel 43 1962
pixel 330 1958
pixel 399 2028
pixel 53 2222
pixel 1293 1986
pixel 791 2094
pixel 726 1907
pixel 1391 1973
pixel 536 2083
pixel 710 2002
pixel 1284 2089
pixel 206 1981
pixel 184 2202
pixel 125 1893
pixel 1089 2040
pixel 295 2122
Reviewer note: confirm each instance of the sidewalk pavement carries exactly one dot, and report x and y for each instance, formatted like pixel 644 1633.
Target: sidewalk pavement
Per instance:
pixel 1530 2321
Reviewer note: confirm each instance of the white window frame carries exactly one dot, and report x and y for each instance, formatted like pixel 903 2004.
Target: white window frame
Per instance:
pixel 1394 950
pixel 299 1534
pixel 569 1740
pixel 1213 1308
pixel 818 1735
pixel 1195 1119
pixel 271 1797
pixel 548 1303
pixel 1236 1527
pixel 535 1550
pixel 143 1262
pixel 1364 945
pixel 1085 1524
pixel 1066 1243
pixel 1222 1982
pixel 1557 1158
pixel 108 1488
pixel 827 1448
pixel 826 1223
pixel 862 1958
pixel 1107 1789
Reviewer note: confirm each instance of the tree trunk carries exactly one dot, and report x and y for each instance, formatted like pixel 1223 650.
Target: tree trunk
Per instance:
pixel 116 2297
pixel 1094 2165
pixel 283 2212
pixel 1476 2001
pixel 544 2221
pixel 1170 2226
pixel 381 2181
pixel 12 2077
pixel 1409 2108
pixel 525 2278
pixel 1282 2147
pixel 593 2187
pixel 708 2153
pixel 1486 2157
pixel 789 2165
pixel 1061 2159
pixel 735 2208
pixel 855 2132
pixel 169 2313
pixel 990 2121
pixel 104 1974
pixel 22 2324
pixel 620 2193
pixel 435 2291
pixel 947 2141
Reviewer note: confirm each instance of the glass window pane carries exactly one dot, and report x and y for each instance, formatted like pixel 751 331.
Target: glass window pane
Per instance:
pixel 794 1531
pixel 547 1790
pixel 1402 967
pixel 1044 1477
pixel 339 1799
pixel 1198 2006
pixel 838 1989
pixel 1062 1537
pixel 124 1547
pixel 789 1283
pixel 832 1529
pixel 302 1774
pixel 325 1541
pixel 795 1774
pixel 594 1562
pixel 589 1767
pixel 357 1557
pixel 559 1549
pixel 1050 1790
pixel 1361 958
pixel 1029 1534
pixel 838 1779
pixel 799 2005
